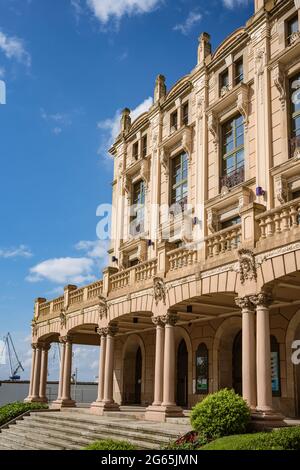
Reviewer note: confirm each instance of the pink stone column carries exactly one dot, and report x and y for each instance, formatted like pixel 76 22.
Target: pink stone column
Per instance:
pixel 37 373
pixel 66 394
pixel 169 361
pixel 44 373
pixel 109 366
pixel 263 352
pixel 101 377
pixel 159 360
pixel 248 351
pixel 30 392
pixel 61 371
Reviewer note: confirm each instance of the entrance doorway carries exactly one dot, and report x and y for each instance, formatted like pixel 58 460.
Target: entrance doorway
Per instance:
pixel 182 375
pixel 138 377
pixel 237 380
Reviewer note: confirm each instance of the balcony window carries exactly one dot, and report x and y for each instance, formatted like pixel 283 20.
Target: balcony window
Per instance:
pixel 231 222
pixel 233 152
pixel 179 180
pixel 295 114
pixel 144 146
pixel 185 114
pixel 224 82
pixel 292 29
pixel 135 151
pixel 138 202
pixel 239 72
pixel 174 121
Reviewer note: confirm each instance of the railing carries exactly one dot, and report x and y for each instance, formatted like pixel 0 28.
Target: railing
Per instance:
pixel 76 296
pixel 94 290
pixel 146 271
pixel 181 258
pixel 120 280
pixel 58 304
pixel 279 220
pixel 45 308
pixel 224 241
pixel 233 179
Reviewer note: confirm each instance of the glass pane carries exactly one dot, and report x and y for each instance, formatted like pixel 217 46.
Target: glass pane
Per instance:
pixel 230 164
pixel 240 158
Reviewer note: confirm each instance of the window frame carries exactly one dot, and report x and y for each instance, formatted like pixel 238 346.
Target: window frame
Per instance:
pixel 242 75
pixel 138 207
pixel 182 182
pixel 223 74
pixel 293 116
pixel 135 155
pixel 174 115
pixel 288 23
pixel 144 145
pixel 236 150
pixel 185 117
pixel 202 351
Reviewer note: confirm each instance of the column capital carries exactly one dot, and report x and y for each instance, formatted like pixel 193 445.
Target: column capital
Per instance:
pixel 102 331
pixel 263 299
pixel 65 339
pixel 111 330
pixel 244 303
pixel 45 346
pixel 170 318
pixel 158 321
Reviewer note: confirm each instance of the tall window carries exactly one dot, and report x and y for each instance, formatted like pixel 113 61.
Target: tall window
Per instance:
pixel 185 114
pixel 144 146
pixel 202 370
pixel 224 82
pixel 233 152
pixel 179 179
pixel 275 367
pixel 292 27
pixel 174 121
pixel 239 72
pixel 295 113
pixel 138 201
pixel 135 151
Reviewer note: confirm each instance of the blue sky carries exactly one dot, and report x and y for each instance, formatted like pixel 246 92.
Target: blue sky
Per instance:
pixel 69 67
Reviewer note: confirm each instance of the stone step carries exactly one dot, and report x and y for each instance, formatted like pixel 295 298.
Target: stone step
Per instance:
pixel 144 427
pixel 81 435
pixel 40 439
pixel 13 444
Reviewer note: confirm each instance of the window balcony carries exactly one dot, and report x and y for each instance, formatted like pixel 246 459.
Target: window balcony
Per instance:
pixel 295 147
pixel 234 178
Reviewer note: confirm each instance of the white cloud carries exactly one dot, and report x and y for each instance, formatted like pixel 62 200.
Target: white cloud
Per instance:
pixel 192 19
pixel 63 271
pixel 2 72
pixel 93 249
pixel 105 10
pixel 14 48
pixel 235 3
pixel 21 251
pixel 111 127
pixel 59 120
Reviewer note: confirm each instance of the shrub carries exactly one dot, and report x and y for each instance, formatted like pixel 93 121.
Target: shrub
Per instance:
pixel 13 410
pixel 190 441
pixel 110 444
pixel 281 439
pixel 221 414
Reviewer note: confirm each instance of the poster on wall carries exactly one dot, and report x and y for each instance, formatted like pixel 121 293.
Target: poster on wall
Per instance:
pixel 275 372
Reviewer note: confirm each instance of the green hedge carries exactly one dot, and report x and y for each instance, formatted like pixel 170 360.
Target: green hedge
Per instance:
pixel 281 439
pixel 110 444
pixel 221 414
pixel 13 410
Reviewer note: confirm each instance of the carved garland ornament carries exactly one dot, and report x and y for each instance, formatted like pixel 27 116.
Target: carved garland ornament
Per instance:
pixel 247 266
pixel 159 290
pixel 103 309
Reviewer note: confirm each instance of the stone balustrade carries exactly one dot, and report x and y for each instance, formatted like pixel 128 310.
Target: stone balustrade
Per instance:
pixel 120 280
pixel 94 290
pixel 76 296
pixel 146 271
pixel 279 220
pixel 224 241
pixel 45 309
pixel 182 258
pixel 58 304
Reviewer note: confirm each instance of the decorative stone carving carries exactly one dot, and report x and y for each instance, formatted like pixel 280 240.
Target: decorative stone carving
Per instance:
pixel 111 330
pixel 295 37
pixel 281 189
pixel 263 299
pixel 280 83
pixel 204 48
pixel 244 303
pixel 213 127
pixel 247 266
pixel 103 309
pixel 213 220
pixel 102 331
pixel 63 317
pixel 125 121
pixel 159 290
pixel 224 90
pixel 243 106
pixel 164 160
pixel 260 61
pixel 34 327
pixel 160 88
pixel 186 143
pixel 157 321
pixel 170 318
pixel 145 171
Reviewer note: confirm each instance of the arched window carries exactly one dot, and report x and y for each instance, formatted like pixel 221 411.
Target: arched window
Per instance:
pixel 275 367
pixel 202 369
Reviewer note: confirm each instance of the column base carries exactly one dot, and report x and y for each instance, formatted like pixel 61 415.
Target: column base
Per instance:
pixel 267 419
pixel 161 412
pixel 62 403
pixel 35 400
pixel 100 407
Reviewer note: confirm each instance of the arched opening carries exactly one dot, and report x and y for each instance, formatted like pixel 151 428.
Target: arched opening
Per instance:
pixel 133 374
pixel 202 370
pixel 237 376
pixel 182 375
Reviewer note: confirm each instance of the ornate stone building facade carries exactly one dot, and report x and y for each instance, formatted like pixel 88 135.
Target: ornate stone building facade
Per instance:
pixel 207 294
